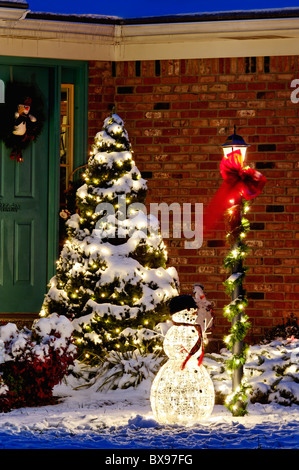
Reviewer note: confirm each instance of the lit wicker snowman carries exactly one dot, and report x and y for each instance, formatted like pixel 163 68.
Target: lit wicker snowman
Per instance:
pixel 182 391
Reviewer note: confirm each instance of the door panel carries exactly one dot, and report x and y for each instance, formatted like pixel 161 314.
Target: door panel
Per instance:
pixel 24 212
pixel 24 176
pixel 24 253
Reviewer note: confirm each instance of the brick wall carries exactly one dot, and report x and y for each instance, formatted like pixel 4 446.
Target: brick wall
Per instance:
pixel 177 113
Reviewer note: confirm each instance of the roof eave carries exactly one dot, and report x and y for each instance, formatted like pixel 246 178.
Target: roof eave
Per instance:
pixel 237 15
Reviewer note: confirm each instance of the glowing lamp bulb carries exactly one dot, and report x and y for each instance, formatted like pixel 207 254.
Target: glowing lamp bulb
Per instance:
pixel 228 150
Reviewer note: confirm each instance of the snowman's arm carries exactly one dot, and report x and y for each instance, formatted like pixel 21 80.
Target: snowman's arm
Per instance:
pixel 207 326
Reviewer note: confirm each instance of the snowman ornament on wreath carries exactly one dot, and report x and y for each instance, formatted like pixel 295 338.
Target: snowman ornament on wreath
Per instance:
pixel 23 131
pixel 182 391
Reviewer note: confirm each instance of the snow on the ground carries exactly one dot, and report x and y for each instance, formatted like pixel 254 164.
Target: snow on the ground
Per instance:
pixel 122 419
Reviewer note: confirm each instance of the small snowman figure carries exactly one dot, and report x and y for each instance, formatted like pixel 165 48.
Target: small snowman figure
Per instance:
pixel 23 130
pixel 205 311
pixel 182 391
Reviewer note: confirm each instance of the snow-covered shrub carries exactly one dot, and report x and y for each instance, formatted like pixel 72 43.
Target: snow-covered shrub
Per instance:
pixel 123 370
pixel 271 371
pixel 33 361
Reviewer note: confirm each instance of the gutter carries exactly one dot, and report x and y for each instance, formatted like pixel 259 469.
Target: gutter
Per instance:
pixel 12 13
pixel 12 4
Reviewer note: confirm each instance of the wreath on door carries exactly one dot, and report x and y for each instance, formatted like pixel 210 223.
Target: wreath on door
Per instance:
pixel 21 117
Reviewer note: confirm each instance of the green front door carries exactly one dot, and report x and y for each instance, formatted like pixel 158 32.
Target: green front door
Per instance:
pixel 24 210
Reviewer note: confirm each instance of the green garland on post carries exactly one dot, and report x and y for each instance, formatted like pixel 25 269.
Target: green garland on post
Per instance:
pixel 237 226
pixel 240 184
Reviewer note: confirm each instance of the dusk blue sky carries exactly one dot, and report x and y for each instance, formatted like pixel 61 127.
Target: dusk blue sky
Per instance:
pixel 133 8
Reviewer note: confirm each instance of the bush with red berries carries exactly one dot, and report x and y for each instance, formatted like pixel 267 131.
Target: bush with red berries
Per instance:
pixel 33 361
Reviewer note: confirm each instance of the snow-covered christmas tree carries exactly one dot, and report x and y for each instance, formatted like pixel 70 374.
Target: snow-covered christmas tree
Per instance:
pixel 112 280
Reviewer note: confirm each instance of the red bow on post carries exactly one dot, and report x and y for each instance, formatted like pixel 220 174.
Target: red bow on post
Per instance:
pixel 238 182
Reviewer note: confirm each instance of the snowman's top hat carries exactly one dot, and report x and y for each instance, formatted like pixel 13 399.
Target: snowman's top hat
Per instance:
pixel 182 302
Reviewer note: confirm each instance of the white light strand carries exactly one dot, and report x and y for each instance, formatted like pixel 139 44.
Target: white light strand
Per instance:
pixel 182 396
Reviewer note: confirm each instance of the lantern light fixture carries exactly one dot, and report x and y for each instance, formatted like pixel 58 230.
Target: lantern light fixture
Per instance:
pixel 235 142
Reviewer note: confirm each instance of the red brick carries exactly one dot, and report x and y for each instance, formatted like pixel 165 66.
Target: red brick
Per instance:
pixel 189 79
pixel 237 86
pixel 144 89
pixel 257 86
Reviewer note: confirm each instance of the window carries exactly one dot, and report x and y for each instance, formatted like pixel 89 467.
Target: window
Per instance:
pixel 66 153
pixel 66 139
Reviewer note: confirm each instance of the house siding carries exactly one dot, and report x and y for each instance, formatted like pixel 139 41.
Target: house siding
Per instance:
pixel 178 113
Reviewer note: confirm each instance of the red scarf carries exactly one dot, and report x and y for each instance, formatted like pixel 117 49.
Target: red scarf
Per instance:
pixel 197 345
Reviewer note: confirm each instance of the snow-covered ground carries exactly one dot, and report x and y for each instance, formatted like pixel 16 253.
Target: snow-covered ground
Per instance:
pixel 122 419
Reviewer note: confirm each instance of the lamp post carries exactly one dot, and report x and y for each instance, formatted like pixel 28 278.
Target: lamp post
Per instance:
pixel 236 146
pixel 240 184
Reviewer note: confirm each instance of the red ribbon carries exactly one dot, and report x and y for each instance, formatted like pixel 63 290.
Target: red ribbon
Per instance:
pixel 238 182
